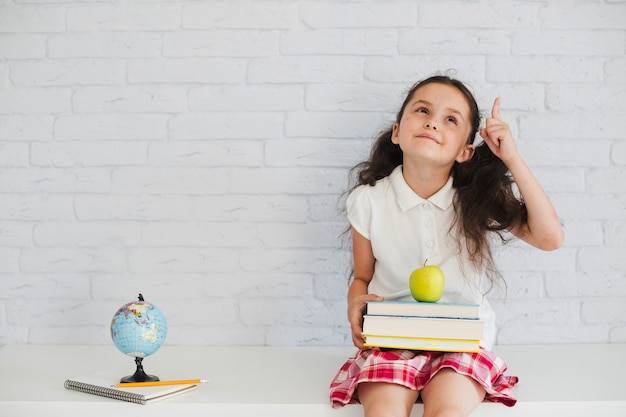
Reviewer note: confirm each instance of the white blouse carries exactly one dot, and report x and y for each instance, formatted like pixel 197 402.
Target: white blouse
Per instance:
pixel 406 231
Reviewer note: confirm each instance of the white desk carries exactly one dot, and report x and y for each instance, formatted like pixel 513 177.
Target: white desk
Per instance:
pixel 292 381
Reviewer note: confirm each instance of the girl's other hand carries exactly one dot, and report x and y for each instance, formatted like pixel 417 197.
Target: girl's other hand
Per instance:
pixel 356 308
pixel 497 135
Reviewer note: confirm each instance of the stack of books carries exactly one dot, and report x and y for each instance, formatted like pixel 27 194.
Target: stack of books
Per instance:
pixel 446 327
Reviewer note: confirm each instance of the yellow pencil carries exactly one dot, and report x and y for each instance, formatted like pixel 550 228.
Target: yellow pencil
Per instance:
pixel 159 383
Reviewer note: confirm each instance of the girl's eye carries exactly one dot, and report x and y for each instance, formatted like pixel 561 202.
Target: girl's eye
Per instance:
pixel 452 120
pixel 422 110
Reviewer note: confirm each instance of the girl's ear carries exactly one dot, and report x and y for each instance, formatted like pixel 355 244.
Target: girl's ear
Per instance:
pixel 466 154
pixel 394 134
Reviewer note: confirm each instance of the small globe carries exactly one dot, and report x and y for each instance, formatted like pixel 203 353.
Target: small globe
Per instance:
pixel 138 329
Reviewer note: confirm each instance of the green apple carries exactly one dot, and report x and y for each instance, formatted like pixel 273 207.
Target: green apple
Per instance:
pixel 426 283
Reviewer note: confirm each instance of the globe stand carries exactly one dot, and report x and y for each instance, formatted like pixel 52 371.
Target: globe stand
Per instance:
pixel 139 375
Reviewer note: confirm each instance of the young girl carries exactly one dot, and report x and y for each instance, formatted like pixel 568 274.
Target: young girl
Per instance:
pixel 428 193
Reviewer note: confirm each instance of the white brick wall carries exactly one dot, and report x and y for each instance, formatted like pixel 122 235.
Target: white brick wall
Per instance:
pixel 196 151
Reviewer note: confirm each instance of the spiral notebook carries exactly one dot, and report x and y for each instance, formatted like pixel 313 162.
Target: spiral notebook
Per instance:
pixel 104 387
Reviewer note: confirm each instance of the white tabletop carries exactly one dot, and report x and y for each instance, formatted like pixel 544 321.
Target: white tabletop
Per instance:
pixel 277 381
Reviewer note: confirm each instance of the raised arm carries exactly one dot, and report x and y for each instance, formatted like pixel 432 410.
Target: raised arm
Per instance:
pixel 543 229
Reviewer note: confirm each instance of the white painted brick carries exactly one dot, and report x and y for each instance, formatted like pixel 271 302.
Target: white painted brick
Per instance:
pixel 615 70
pixel 617 335
pixel 198 153
pixel 68 72
pixel 217 335
pixel 245 286
pixel 551 152
pixel 132 207
pixel 538 312
pixel 76 154
pixel 518 285
pixel 602 260
pixel 155 287
pixel 9 260
pixel 454 41
pixel 250 208
pixel 196 234
pixel 306 336
pixel 316 152
pixel 50 180
pixel 355 97
pixel 34 101
pixel 564 180
pixel 228 125
pixel 26 127
pixel 410 69
pixel 221 43
pixel 15 234
pixel 246 98
pixel 22 46
pixel 197 312
pixel 78 335
pixel 585 285
pixel 40 286
pixel 188 70
pixel 182 260
pixel 267 312
pixel 339 42
pixel 288 180
pixel 14 154
pixel 459 14
pixel 299 235
pixel 4 75
pixel 618 153
pixel 32 18
pixel 141 99
pixel 530 259
pixel 615 233
pixel 328 208
pixel 105 45
pixel 181 181
pixel 36 207
pixel 94 127
pixel 582 15
pixel 333 125
pixel 602 311
pixel 607 125
pixel 73 260
pixel 583 233
pixel 55 311
pixel 306 69
pixel 552 334
pixel 256 15
pixel 524 97
pixel 583 207
pixel 330 14
pixel 332 287
pixel 606 180
pixel 568 42
pixel 546 69
pixel 89 235
pixel 573 98
pixel 314 261
pixel 134 17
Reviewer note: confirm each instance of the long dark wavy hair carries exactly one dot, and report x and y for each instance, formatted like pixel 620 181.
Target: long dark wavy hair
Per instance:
pixel 485 202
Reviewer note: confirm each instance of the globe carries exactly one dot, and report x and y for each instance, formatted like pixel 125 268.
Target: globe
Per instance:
pixel 138 329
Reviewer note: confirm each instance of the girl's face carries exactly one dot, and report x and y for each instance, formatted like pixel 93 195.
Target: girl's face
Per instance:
pixel 435 126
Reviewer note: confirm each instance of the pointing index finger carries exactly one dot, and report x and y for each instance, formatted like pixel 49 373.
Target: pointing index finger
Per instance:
pixel 495 111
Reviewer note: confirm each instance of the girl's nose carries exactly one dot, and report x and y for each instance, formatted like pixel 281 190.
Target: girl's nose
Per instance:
pixel 431 124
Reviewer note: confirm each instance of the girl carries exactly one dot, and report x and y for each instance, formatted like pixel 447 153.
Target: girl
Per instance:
pixel 427 192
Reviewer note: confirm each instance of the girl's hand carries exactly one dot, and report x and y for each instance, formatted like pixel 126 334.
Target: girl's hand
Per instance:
pixel 497 135
pixel 356 308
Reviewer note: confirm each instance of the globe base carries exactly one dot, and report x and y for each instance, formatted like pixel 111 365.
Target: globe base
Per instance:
pixel 139 375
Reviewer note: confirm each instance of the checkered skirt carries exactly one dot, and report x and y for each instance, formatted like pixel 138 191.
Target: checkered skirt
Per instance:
pixel 414 369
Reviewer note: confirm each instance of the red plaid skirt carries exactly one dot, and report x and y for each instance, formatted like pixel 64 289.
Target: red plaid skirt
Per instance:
pixel 414 369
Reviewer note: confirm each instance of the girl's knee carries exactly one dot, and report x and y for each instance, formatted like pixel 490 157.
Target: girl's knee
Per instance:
pixel 382 399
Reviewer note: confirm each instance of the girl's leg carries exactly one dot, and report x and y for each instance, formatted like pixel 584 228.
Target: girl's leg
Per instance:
pixel 382 399
pixel 449 394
